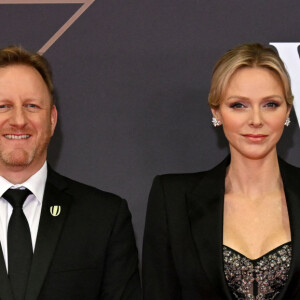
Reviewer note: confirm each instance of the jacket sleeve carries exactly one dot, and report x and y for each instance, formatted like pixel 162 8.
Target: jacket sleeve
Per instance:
pixel 121 276
pixel 160 281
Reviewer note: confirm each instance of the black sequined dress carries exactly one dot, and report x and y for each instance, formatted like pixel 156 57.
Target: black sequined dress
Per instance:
pixel 259 279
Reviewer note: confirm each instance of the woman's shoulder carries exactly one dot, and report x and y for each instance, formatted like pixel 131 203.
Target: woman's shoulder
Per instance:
pixel 288 171
pixel 190 179
pixel 283 162
pixel 287 165
pixel 179 179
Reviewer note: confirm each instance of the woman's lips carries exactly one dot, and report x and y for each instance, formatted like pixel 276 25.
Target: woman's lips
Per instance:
pixel 255 137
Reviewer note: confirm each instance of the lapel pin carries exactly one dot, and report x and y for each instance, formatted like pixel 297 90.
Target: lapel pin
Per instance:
pixel 55 210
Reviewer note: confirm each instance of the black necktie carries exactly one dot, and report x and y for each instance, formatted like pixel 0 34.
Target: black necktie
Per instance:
pixel 18 243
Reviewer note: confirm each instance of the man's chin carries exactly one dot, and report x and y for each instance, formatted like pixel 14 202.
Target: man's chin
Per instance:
pixel 16 159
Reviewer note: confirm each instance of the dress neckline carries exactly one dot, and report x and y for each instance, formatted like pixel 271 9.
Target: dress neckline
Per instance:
pixel 261 257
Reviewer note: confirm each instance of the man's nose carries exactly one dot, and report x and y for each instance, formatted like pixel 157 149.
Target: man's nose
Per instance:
pixel 18 117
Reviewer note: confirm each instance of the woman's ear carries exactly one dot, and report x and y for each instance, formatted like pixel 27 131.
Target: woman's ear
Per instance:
pixel 216 113
pixel 217 118
pixel 288 110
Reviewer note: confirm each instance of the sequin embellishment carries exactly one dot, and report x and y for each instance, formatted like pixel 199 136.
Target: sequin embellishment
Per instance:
pixel 259 279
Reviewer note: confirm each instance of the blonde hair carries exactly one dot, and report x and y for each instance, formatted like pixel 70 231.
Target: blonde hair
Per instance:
pixel 247 55
pixel 14 55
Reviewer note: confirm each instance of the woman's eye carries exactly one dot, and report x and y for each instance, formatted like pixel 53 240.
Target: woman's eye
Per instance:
pixel 237 105
pixel 272 104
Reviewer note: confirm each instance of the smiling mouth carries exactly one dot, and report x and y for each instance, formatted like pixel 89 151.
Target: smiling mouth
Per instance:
pixel 16 137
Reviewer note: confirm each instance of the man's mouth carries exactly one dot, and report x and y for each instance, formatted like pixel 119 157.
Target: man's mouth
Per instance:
pixel 16 137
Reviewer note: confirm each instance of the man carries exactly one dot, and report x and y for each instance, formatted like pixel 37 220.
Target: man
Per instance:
pixel 67 240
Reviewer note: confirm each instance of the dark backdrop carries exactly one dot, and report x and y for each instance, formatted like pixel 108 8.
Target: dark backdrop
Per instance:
pixel 132 79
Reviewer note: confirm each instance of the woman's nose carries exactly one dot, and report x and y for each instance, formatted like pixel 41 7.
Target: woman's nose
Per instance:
pixel 256 119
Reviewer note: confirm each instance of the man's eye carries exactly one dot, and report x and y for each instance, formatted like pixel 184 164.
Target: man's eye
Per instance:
pixel 31 107
pixel 4 107
pixel 237 105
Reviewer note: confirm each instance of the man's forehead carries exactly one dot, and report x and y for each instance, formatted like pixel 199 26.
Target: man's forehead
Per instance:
pixel 20 73
pixel 25 80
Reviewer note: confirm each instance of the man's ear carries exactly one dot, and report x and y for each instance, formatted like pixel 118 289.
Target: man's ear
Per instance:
pixel 53 119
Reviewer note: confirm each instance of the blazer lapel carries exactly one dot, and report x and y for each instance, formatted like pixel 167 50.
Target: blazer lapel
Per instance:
pixel 290 176
pixel 48 233
pixel 5 288
pixel 205 206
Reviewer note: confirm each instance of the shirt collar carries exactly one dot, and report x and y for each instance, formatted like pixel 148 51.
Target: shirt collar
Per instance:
pixel 36 183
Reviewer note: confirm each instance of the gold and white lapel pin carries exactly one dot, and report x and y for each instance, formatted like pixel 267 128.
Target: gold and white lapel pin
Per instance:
pixel 55 210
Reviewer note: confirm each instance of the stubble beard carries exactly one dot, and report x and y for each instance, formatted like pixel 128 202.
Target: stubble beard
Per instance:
pixel 20 158
pixel 17 158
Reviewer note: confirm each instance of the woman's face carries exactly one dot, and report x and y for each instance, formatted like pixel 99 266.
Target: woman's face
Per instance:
pixel 253 111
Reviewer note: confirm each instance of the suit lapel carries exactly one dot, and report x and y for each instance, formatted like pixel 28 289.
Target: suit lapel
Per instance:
pixel 5 288
pixel 48 233
pixel 205 206
pixel 290 176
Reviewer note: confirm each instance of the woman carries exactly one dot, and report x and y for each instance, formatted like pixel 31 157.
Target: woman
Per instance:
pixel 232 232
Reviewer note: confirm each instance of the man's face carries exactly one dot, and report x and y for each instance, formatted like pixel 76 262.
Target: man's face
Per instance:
pixel 27 118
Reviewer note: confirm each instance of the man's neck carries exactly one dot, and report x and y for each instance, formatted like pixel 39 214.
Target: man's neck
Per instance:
pixel 19 174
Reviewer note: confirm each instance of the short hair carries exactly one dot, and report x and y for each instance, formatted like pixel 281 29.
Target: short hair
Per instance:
pixel 16 55
pixel 247 55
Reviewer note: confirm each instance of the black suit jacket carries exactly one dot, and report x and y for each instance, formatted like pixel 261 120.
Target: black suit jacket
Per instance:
pixel 182 251
pixel 88 251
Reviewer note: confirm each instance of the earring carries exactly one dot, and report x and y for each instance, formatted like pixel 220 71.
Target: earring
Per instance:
pixel 215 122
pixel 287 121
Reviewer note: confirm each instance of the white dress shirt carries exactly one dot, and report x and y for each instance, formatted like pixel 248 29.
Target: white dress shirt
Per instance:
pixel 31 207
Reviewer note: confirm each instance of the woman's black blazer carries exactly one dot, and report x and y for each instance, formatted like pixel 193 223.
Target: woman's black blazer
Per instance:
pixel 182 251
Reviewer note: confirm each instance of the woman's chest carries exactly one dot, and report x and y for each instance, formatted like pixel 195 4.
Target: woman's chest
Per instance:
pixel 254 228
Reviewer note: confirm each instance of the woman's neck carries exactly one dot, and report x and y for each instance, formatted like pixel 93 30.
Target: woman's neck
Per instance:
pixel 253 178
